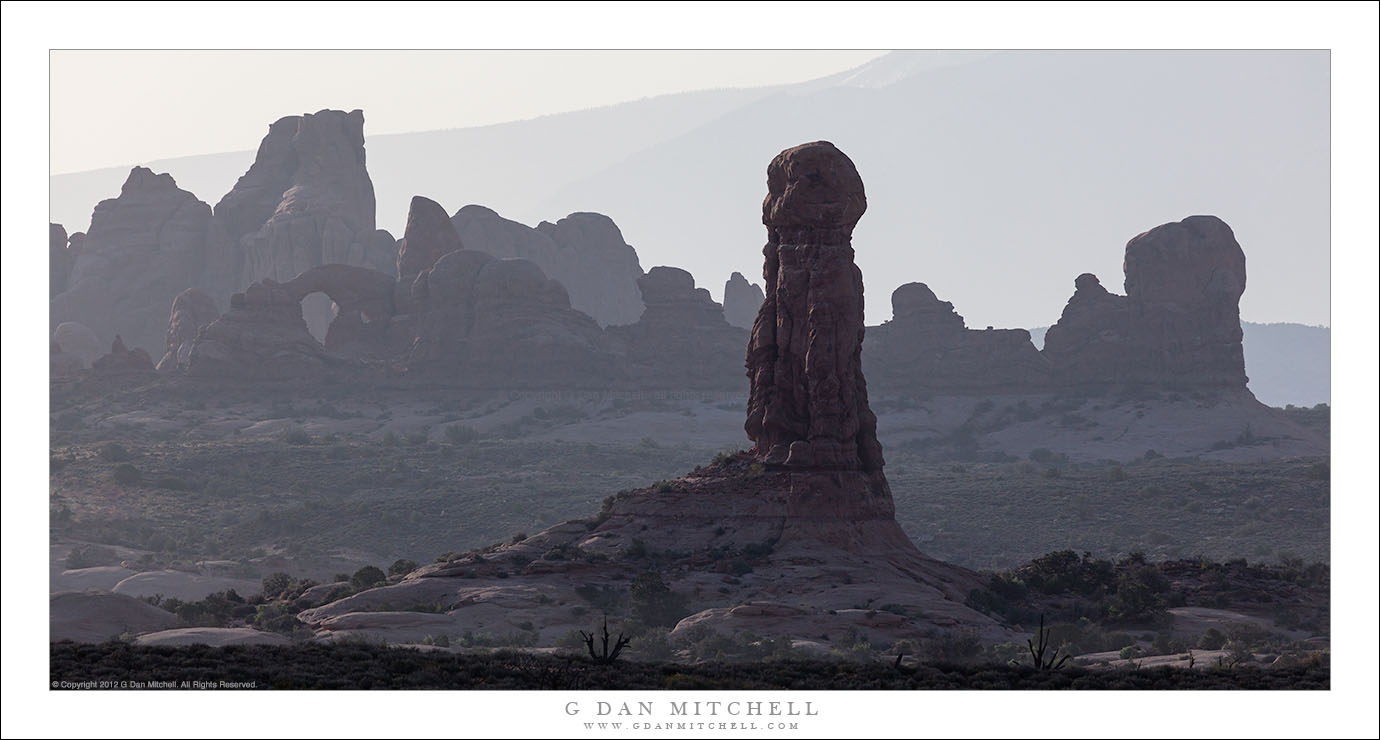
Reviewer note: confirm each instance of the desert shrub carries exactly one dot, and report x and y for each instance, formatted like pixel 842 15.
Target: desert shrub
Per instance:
pixel 959 648
pixel 296 436
pixel 636 550
pixel 402 567
pixel 724 456
pixel 173 483
pixel 1083 636
pixel 1166 644
pixel 757 549
pixel 277 617
pixel 654 603
pixel 854 647
pixel 1139 594
pixel 602 597
pixel 216 610
pixel 458 434
pixel 126 474
pixel 275 584
pixel 1064 570
pixel 114 452
pixel 1242 637
pixel 367 577
pixel 1045 456
pixel 90 556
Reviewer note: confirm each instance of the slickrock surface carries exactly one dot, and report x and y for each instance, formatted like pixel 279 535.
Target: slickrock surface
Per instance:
pixel 97 616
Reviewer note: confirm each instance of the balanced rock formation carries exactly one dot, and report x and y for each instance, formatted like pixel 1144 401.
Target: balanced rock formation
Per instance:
pixel 191 310
pixel 585 252
pixel 122 361
pixel 812 538
pixel 926 347
pixel 306 201
pixel 807 405
pixel 1179 324
pixel 741 301
pixel 143 248
pixel 682 340
pixel 60 259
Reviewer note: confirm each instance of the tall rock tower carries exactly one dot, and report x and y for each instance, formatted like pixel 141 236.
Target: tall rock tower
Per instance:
pixel 807 405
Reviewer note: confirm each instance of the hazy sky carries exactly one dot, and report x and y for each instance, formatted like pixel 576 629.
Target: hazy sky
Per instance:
pixel 178 103
pixel 1270 184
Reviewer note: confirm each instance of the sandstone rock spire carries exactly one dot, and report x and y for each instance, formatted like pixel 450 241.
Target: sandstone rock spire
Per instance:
pixel 807 406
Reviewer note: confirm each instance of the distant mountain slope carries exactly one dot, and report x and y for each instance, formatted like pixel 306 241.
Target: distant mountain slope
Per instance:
pixel 511 167
pixel 994 177
pixel 1286 363
pixel 1000 180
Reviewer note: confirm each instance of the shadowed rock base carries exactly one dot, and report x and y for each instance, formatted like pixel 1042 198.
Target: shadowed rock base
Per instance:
pixel 801 555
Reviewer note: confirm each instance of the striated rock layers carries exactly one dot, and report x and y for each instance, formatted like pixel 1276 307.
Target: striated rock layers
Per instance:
pixel 806 549
pixel 807 404
pixel 1178 325
pixel 585 252
pixel 741 301
pixel 927 347
pixel 306 201
pixel 143 248
pixel 191 310
pixel 682 340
